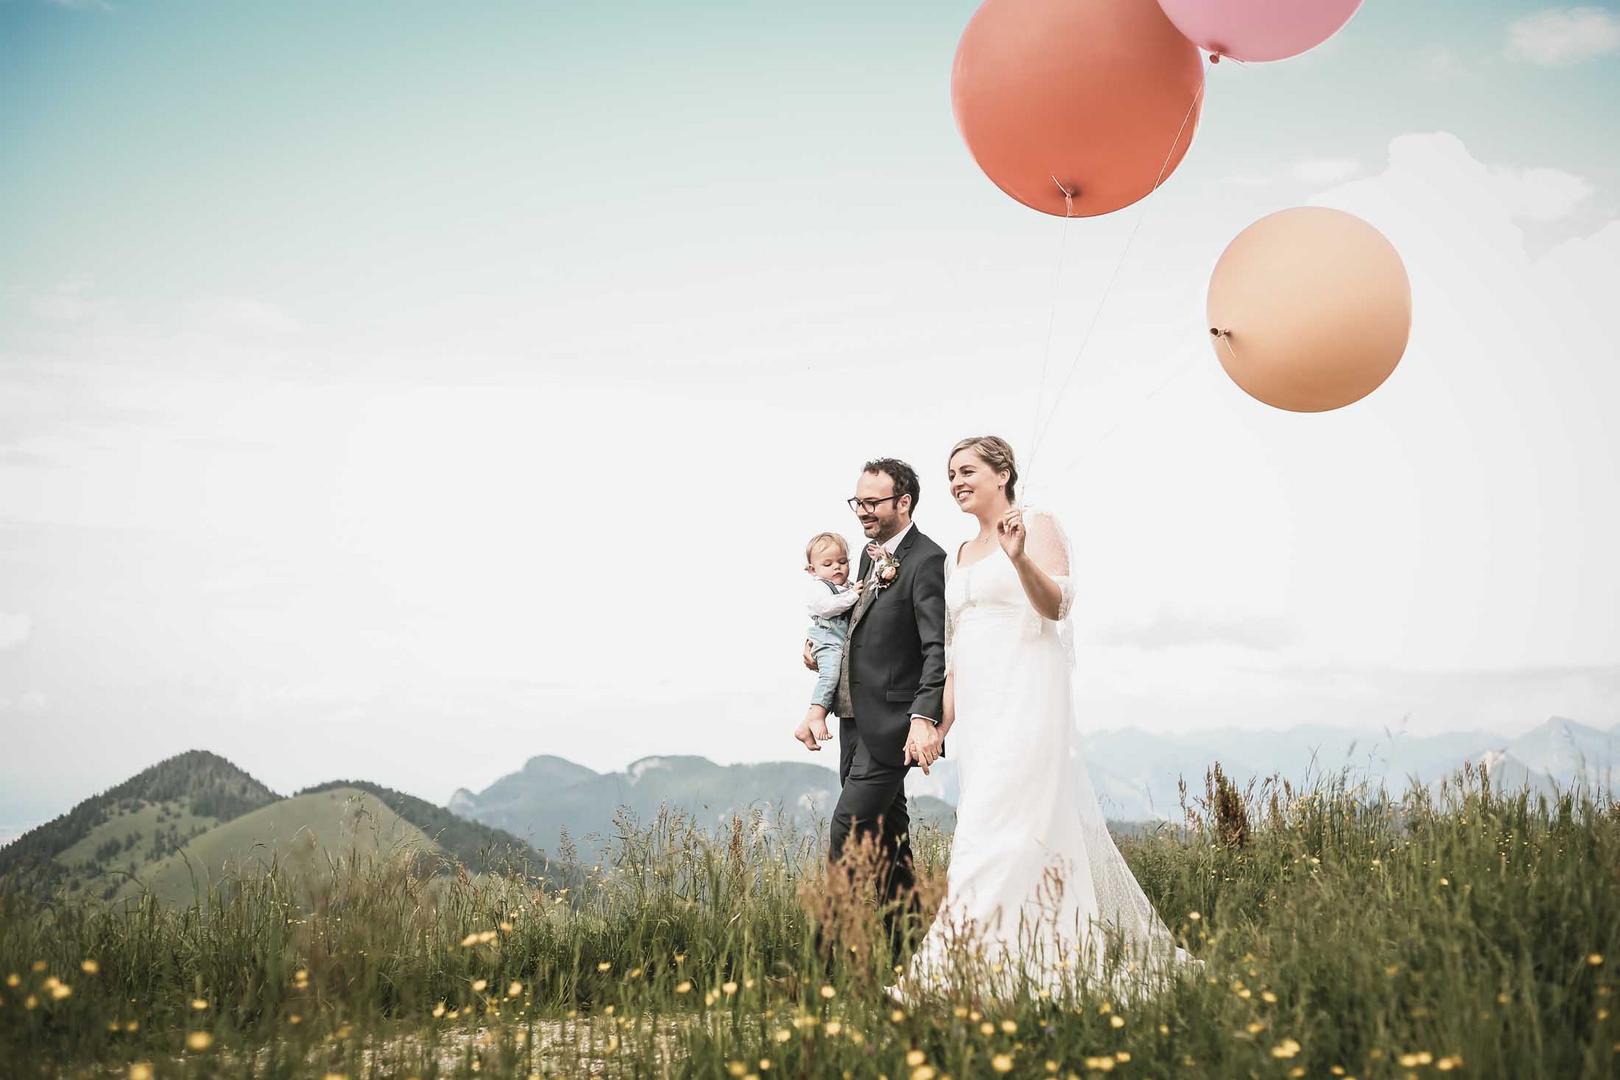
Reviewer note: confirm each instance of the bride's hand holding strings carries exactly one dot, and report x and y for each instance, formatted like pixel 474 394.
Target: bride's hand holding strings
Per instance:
pixel 1010 532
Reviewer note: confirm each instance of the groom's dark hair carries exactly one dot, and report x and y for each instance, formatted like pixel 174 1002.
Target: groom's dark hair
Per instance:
pixel 903 475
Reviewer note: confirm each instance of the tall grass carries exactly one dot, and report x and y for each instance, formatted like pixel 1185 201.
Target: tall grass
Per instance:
pixel 1341 933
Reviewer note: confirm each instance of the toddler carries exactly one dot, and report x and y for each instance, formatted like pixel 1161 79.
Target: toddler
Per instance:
pixel 829 597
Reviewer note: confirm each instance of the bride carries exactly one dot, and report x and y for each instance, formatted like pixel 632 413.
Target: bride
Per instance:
pixel 1037 895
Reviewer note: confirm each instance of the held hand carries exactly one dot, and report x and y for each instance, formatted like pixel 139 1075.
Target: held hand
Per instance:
pixel 810 656
pixel 1010 531
pixel 922 745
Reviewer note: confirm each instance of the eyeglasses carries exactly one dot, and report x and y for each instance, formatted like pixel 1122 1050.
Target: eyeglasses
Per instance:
pixel 869 505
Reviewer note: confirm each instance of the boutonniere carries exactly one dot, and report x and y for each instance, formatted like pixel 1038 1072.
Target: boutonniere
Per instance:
pixel 885 569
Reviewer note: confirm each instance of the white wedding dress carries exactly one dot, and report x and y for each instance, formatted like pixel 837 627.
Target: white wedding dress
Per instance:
pixel 1037 895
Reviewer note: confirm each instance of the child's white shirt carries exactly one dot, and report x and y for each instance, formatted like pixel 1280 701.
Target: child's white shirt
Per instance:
pixel 826 604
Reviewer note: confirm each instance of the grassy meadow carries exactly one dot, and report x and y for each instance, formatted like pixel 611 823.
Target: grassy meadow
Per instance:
pixel 1463 932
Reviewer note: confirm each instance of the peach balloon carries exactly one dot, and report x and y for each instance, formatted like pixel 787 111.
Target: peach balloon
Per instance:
pixel 1097 99
pixel 1309 309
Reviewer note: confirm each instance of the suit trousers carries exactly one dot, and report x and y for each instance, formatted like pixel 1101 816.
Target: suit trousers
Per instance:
pixel 873 803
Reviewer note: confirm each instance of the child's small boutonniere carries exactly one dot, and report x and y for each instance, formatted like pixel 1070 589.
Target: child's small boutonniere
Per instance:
pixel 885 570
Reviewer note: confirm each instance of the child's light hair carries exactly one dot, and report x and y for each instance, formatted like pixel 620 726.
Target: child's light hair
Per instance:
pixel 823 538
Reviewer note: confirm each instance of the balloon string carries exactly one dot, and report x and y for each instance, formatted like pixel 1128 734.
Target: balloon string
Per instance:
pixel 1051 320
pixel 1181 368
pixel 1102 302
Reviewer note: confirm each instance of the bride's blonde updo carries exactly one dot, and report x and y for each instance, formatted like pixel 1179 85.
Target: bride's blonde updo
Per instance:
pixel 995 452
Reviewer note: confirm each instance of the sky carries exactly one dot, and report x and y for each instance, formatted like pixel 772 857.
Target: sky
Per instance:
pixel 397 391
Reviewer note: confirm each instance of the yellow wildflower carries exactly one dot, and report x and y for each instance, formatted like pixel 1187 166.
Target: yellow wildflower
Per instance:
pixel 1010 1027
pixel 1002 1063
pixel 199 1040
pixel 782 1035
pixel 141 1070
pixel 1116 1021
pixel 728 988
pixel 1594 959
pixel 915 1058
pixel 89 967
pixel 684 986
pixel 828 992
pixel 514 990
pixel 605 965
pixel 1285 1049
pixel 479 984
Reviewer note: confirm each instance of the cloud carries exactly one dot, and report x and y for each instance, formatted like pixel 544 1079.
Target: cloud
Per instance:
pixel 1180 629
pixel 14 630
pixel 1540 194
pixel 1559 37
pixel 1326 170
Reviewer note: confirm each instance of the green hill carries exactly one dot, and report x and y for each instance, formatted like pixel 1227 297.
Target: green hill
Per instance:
pixel 143 819
pixel 481 848
pixel 299 834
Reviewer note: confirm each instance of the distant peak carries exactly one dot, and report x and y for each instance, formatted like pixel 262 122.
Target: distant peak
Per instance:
pixel 551 762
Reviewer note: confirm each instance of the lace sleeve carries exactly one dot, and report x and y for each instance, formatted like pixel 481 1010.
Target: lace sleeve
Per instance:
pixel 1049 547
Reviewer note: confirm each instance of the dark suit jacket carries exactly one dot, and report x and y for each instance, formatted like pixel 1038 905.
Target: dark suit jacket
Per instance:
pixel 896 653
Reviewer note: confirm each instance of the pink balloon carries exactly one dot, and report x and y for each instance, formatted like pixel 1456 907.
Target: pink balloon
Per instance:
pixel 1258 29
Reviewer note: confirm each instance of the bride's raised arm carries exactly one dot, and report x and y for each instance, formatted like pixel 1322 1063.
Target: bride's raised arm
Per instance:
pixel 1043 566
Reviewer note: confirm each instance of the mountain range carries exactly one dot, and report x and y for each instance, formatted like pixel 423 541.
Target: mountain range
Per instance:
pixel 551 797
pixel 1135 772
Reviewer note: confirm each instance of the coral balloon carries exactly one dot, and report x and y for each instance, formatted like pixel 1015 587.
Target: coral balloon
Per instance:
pixel 1097 99
pixel 1259 29
pixel 1309 309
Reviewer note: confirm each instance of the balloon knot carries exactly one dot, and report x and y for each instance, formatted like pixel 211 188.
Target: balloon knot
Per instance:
pixel 1068 196
pixel 1216 331
pixel 1214 57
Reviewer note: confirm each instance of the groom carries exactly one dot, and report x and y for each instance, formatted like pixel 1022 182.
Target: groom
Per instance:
pixel 891 685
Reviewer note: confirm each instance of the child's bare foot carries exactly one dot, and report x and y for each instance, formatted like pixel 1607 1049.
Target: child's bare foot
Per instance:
pixel 818 728
pixel 806 736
